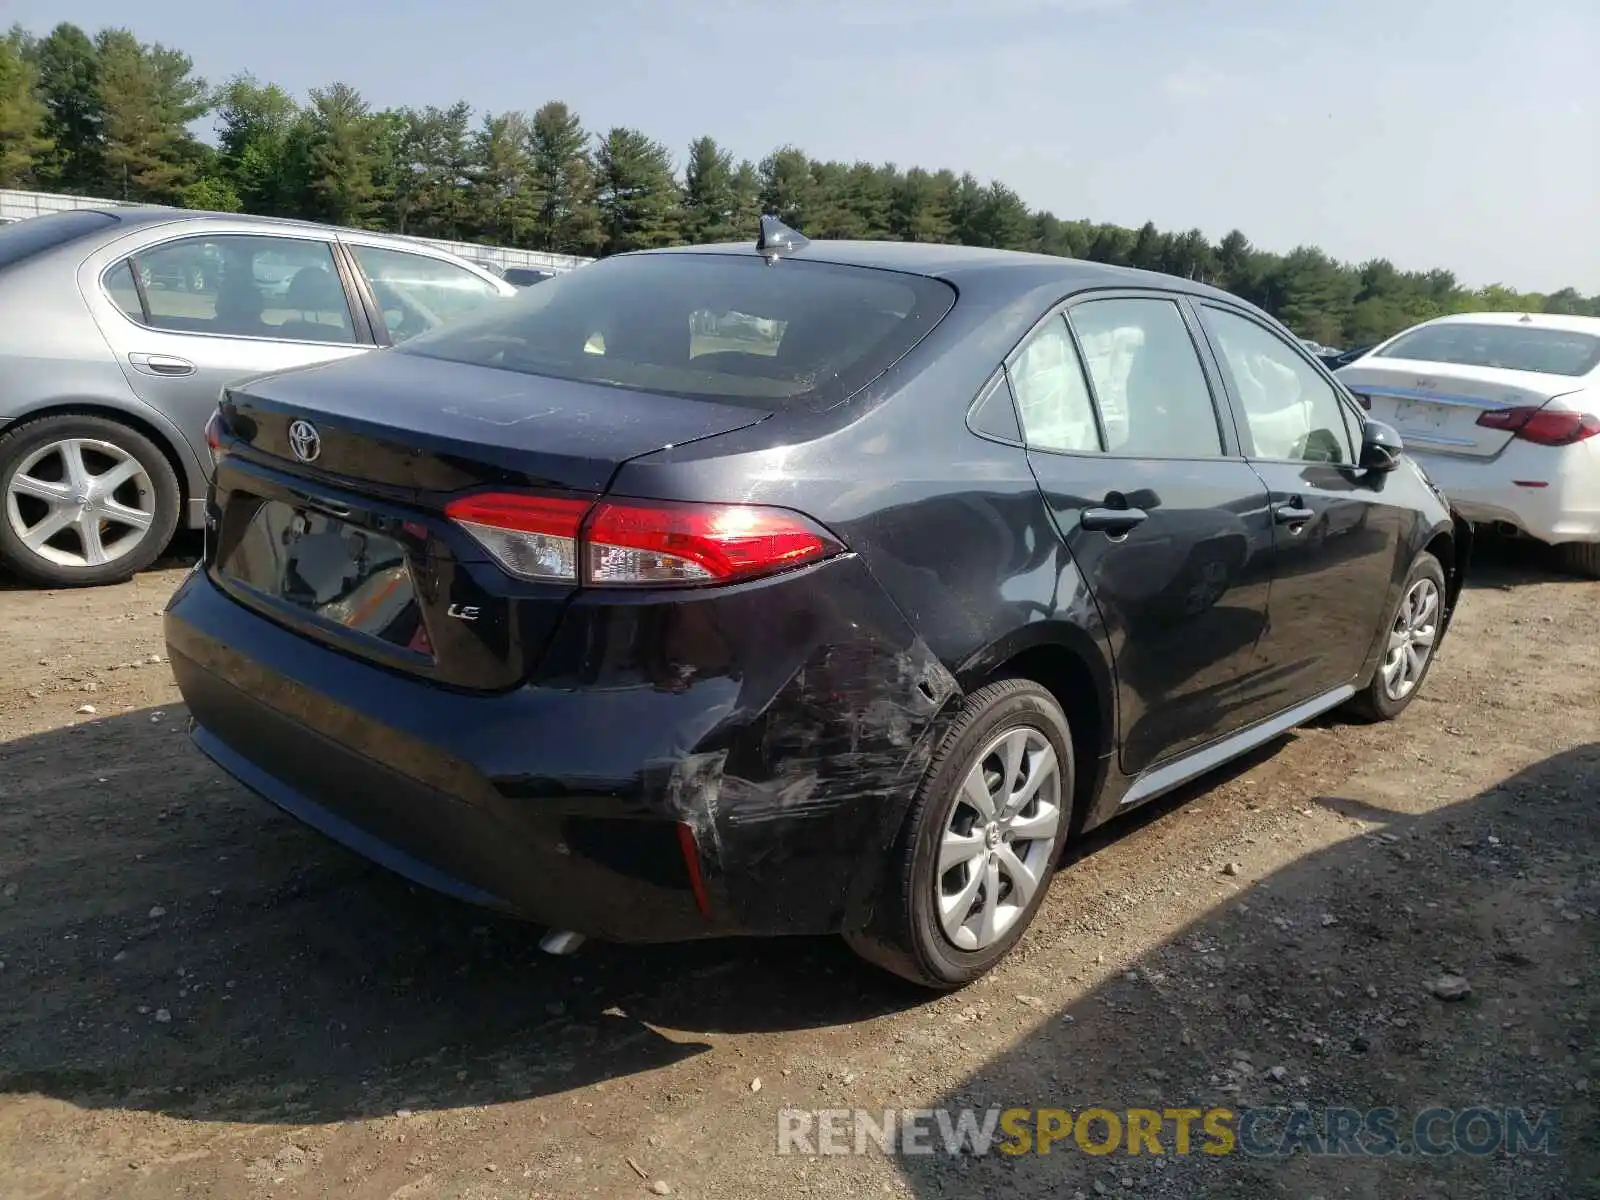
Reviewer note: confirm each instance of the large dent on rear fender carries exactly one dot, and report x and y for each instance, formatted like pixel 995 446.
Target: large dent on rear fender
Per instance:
pixel 821 791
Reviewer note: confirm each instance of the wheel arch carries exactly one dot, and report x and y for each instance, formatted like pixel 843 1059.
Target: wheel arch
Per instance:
pixel 1067 661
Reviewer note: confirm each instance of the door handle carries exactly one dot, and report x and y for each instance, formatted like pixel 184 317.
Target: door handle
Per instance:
pixel 1291 512
pixel 161 364
pixel 1114 522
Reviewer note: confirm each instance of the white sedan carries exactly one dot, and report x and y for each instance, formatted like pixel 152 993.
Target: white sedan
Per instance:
pixel 1502 410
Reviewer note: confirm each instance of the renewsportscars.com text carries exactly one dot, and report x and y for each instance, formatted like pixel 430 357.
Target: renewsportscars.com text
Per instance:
pixel 1270 1132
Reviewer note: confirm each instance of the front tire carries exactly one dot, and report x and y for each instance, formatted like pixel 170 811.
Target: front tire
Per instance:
pixel 980 842
pixel 84 500
pixel 1413 636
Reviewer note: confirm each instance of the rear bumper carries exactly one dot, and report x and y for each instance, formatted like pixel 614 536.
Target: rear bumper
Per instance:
pixel 1549 493
pixel 563 806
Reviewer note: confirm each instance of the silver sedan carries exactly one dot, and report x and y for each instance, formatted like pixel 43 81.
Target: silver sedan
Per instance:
pixel 118 329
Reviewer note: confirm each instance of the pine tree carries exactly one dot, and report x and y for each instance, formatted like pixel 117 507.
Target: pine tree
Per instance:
pixel 151 96
pixel 708 195
pixel 787 188
pixel 505 193
pixel 919 207
pixel 346 157
pixel 22 115
pixel 635 192
pixel 563 177
pixel 69 85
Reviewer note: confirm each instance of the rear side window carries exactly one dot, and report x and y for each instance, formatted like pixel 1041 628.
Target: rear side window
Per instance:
pixel 236 285
pixel 1052 396
pixel 35 235
pixel 1509 347
pixel 711 326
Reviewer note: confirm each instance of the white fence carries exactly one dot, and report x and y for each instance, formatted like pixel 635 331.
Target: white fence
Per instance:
pixel 19 205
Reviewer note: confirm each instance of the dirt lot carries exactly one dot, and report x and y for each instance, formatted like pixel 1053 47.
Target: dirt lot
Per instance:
pixel 200 998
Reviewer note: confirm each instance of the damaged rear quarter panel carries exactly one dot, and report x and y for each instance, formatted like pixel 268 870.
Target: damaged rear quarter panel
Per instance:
pixel 806 711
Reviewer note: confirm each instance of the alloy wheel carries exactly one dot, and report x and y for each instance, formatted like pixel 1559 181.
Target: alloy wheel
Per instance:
pixel 995 849
pixel 80 502
pixel 1411 640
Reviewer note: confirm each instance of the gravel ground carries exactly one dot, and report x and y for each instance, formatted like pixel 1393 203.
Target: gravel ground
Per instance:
pixel 200 998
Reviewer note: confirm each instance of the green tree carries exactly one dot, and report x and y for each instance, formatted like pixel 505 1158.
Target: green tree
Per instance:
pixel 345 144
pixel 746 190
pixel 257 126
pixel 635 192
pixel 23 142
pixel 505 194
pixel 563 176
pixel 433 171
pixel 69 85
pixel 211 194
pixel 151 96
pixel 1235 263
pixel 1146 251
pixel 788 189
pixel 919 207
pixel 1312 294
pixel 1111 244
pixel 708 194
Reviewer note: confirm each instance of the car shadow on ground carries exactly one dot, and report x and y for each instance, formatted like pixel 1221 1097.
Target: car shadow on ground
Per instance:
pixel 1504 563
pixel 1310 986
pixel 173 943
pixel 185 549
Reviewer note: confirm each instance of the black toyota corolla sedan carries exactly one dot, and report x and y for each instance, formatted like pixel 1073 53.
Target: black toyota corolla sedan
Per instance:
pixel 796 587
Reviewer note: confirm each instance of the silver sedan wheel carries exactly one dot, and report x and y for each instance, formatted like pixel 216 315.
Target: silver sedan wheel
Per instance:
pixel 998 838
pixel 80 502
pixel 1411 640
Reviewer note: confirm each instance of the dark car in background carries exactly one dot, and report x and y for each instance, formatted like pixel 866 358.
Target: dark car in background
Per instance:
pixel 526 276
pixel 588 611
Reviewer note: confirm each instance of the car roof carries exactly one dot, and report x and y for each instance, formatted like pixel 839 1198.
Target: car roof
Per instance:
pixel 1531 320
pixel 967 266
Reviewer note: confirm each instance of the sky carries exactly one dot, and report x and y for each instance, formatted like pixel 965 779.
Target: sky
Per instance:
pixel 1462 134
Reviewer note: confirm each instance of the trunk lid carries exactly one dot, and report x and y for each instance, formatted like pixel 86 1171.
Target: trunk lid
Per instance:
pixel 408 424
pixel 329 501
pixel 1436 406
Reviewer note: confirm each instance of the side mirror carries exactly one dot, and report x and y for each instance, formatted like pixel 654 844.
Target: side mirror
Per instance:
pixel 1381 448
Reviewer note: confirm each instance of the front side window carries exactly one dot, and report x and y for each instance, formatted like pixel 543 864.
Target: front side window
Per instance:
pixel 726 327
pixel 1152 390
pixel 235 285
pixel 1053 400
pixel 1290 411
pixel 1508 347
pixel 417 292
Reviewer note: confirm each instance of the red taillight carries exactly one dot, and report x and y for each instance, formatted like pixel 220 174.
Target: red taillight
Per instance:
pixel 534 537
pixel 1363 399
pixel 214 437
pixel 638 543
pixel 1542 426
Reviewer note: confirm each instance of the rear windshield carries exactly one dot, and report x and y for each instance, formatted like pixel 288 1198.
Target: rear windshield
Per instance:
pixel 721 327
pixel 1510 347
pixel 35 235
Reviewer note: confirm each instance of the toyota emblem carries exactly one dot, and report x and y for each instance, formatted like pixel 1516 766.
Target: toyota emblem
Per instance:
pixel 305 441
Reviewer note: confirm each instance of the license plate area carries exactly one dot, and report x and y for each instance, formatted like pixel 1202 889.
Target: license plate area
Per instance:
pixel 1419 415
pixel 346 577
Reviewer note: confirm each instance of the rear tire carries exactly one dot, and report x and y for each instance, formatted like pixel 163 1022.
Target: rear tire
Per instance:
pixel 1380 700
pixel 1580 558
pixel 132 501
pixel 1010 750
